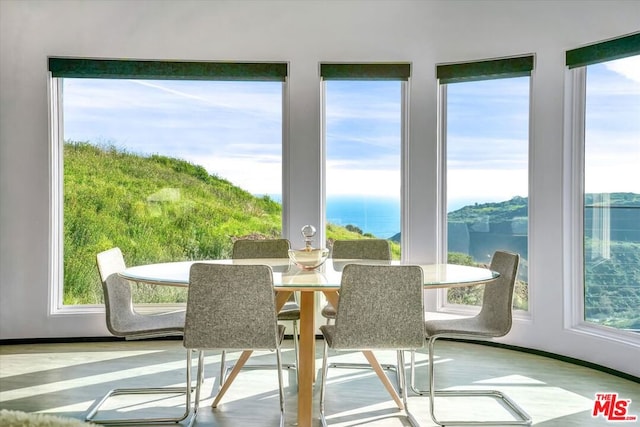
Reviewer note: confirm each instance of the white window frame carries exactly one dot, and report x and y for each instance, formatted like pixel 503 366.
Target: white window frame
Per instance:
pixel 442 305
pixel 404 158
pixel 56 202
pixel 573 211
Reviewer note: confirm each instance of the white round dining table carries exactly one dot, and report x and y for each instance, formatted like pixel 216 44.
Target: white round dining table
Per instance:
pixel 288 278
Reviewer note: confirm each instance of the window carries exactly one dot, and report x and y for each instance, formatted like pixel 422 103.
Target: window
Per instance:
pixel 609 99
pixel 363 134
pixel 166 160
pixel 486 138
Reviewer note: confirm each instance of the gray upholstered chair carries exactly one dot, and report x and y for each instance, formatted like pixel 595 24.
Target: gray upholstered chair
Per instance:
pixel 269 248
pixel 215 320
pixel 124 322
pixel 367 249
pixel 380 307
pixel 362 249
pixel 493 320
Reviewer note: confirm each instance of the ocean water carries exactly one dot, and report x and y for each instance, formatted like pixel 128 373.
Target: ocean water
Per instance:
pixel 378 216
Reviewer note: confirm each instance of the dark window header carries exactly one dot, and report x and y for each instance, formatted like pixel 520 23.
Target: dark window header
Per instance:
pixel 361 71
pixel 163 70
pixel 606 51
pixel 485 70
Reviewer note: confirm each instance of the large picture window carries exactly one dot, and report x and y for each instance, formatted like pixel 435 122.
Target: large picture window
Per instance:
pixel 166 160
pixel 363 134
pixel 609 96
pixel 485 109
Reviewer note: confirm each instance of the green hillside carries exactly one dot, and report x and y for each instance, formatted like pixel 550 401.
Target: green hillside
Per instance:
pixel 517 207
pixel 612 277
pixel 155 209
pixel 493 212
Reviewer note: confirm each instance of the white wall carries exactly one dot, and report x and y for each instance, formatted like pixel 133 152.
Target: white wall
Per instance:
pixel 303 33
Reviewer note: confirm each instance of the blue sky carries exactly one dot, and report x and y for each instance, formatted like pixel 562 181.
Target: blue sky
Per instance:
pixel 612 160
pixel 213 124
pixel 487 140
pixel 225 126
pixel 363 125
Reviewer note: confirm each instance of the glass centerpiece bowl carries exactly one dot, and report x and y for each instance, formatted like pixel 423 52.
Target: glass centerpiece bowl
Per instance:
pixel 308 258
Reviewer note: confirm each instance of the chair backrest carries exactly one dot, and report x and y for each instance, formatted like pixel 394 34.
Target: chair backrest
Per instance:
pixel 117 292
pixel 496 312
pixel 362 249
pixel 271 248
pixel 380 306
pixel 230 307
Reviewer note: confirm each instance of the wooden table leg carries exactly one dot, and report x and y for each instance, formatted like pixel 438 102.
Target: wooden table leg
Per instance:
pixel 334 298
pixel 307 359
pixel 232 376
pixel 383 377
pixel 281 298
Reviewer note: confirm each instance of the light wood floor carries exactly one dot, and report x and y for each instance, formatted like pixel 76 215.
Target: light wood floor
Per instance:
pixel 67 379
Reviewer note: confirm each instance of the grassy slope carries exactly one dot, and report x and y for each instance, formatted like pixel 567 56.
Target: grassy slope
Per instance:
pixel 155 209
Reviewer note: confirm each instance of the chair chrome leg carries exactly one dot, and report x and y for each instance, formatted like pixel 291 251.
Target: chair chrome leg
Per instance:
pixel 188 379
pixel 323 383
pixel 295 340
pixel 403 379
pixel 523 418
pixel 141 391
pixel 295 349
pixel 199 379
pixel 412 382
pixel 280 386
pixel 385 366
pixel 223 369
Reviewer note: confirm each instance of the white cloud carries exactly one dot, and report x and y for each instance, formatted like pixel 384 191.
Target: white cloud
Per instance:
pixel 257 175
pixel 233 136
pixel 627 67
pixel 486 185
pixel 349 181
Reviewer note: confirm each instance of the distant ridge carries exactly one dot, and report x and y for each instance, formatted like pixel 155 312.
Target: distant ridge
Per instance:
pixel 514 212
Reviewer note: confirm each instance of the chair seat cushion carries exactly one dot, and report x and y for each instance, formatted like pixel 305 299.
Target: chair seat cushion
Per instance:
pixel 161 324
pixel 328 332
pixel 329 311
pixel 290 311
pixel 470 326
